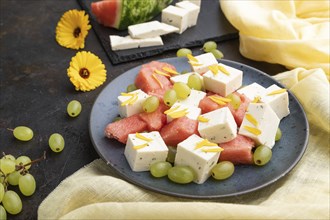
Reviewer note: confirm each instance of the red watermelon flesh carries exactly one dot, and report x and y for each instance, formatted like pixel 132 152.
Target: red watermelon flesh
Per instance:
pixel 207 105
pixel 240 112
pixel 122 128
pixel 107 12
pixel 155 120
pixel 178 130
pixel 238 150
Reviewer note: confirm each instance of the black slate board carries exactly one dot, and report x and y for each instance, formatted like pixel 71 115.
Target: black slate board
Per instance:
pixel 211 25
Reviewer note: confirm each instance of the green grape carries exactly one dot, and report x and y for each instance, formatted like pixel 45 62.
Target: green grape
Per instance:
pixel 195 82
pixel 150 104
pixel 7 166
pixel 171 154
pixel 27 184
pixel 262 155
pixel 183 52
pixel 12 202
pixel 170 97
pixel 74 108
pixel 223 170
pixel 13 178
pixel 23 133
pixel 235 100
pixel 56 142
pixel 278 134
pixel 2 191
pixel 160 168
pixel 23 160
pixel 181 174
pixel 3 213
pixel 131 88
pixel 209 46
pixel 9 156
pixel 182 90
pixel 217 53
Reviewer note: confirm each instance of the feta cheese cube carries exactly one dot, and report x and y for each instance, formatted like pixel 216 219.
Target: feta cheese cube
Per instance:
pixel 178 17
pixel 260 123
pixel 203 62
pixel 253 90
pixel 184 78
pixel 223 83
pixel 150 29
pixel 179 110
pixel 193 99
pixel 193 11
pixel 200 161
pixel 141 153
pixel 219 127
pixel 123 43
pixel 279 102
pixel 127 107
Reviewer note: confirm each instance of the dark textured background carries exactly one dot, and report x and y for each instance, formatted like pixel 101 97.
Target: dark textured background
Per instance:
pixel 35 90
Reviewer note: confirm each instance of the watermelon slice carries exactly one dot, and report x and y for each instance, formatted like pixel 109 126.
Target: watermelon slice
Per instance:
pixel 122 128
pixel 207 105
pixel 120 14
pixel 178 130
pixel 238 150
pixel 240 112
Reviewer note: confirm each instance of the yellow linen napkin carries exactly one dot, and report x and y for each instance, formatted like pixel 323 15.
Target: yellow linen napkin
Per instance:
pixel 287 32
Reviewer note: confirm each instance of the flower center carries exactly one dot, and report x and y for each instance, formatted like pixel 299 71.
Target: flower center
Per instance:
pixel 76 32
pixel 84 73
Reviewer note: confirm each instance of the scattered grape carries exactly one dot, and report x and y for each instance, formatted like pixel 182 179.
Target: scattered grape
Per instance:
pixel 13 178
pixel 160 169
pixel 235 100
pixel 217 53
pixel 117 119
pixel 23 133
pixel 223 170
pixel 150 104
pixel 170 97
pixel 209 46
pixel 9 156
pixel 131 88
pixel 74 108
pixel 2 191
pixel 181 174
pixel 183 52
pixel 278 134
pixel 27 184
pixel 56 142
pixel 3 214
pixel 195 82
pixel 23 160
pixel 7 166
pixel 262 155
pixel 12 202
pixel 182 90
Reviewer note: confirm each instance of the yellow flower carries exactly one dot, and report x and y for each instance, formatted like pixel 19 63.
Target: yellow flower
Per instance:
pixel 86 71
pixel 72 29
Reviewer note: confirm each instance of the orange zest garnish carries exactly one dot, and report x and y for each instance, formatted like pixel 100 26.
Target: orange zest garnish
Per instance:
pixel 204 143
pixel 157 80
pixel 140 136
pixel 131 100
pixel 214 69
pixel 169 70
pixel 162 73
pixel 223 70
pixel 251 119
pixel 256 99
pixel 213 149
pixel 252 130
pixel 278 91
pixel 137 147
pixel 202 119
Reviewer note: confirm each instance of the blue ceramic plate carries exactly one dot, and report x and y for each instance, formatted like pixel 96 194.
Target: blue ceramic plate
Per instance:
pixel 286 153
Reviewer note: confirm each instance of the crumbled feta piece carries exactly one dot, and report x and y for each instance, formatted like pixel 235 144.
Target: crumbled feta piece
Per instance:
pixel 223 83
pixel 141 153
pixel 193 11
pixel 193 99
pixel 131 103
pixel 252 91
pixel 219 127
pixel 150 29
pixel 123 43
pixel 184 78
pixel 202 62
pixel 260 123
pixel 200 161
pixel 279 102
pixel 176 16
pixel 179 110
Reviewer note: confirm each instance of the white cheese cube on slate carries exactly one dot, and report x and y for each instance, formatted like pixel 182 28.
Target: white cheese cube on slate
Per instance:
pixel 260 123
pixel 201 162
pixel 193 99
pixel 253 90
pixel 150 29
pixel 279 102
pixel 193 11
pixel 192 111
pixel 221 83
pixel 184 78
pixel 220 127
pixel 176 16
pixel 203 62
pixel 151 151
pixel 123 43
pixel 133 108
